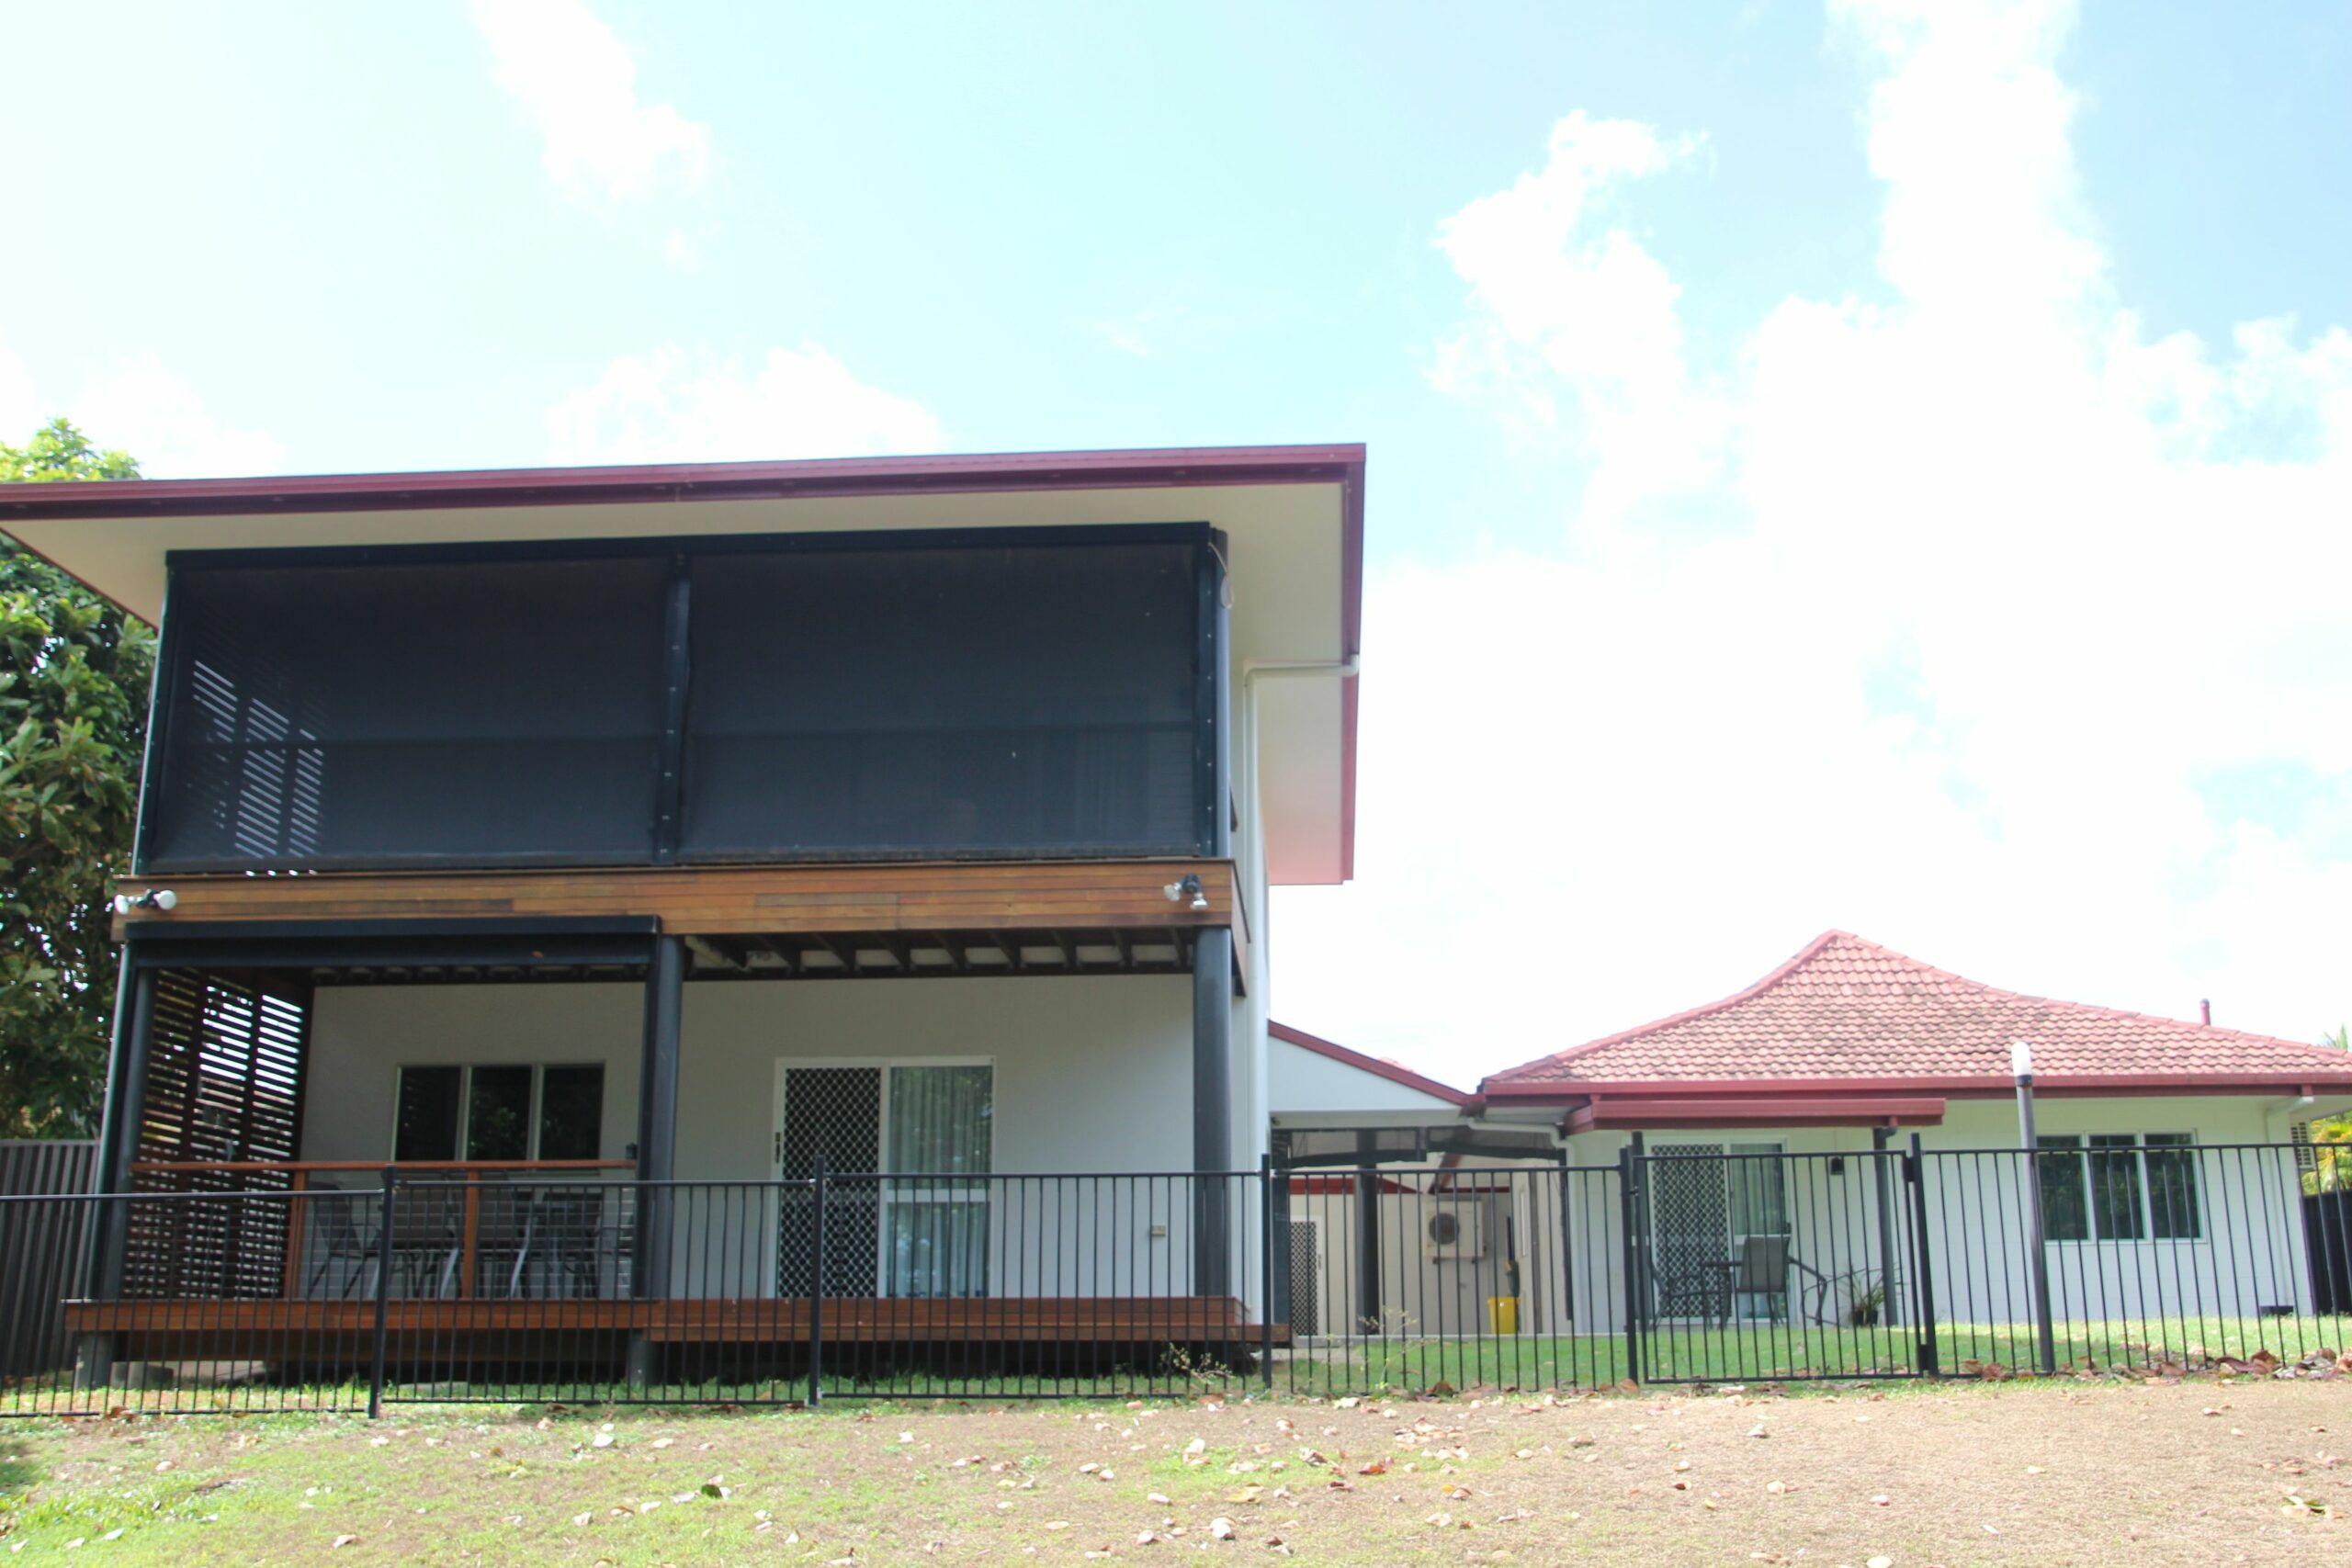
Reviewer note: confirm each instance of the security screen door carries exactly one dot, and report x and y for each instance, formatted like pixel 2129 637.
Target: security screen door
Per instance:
pixel 1704 1206
pixel 907 1150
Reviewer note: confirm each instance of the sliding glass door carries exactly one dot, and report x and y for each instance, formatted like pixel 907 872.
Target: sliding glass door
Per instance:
pixel 907 1148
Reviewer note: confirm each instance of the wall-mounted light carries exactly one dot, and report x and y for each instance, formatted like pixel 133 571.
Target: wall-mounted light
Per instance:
pixel 1188 884
pixel 153 898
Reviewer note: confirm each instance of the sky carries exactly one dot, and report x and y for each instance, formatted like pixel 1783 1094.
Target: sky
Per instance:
pixel 1884 465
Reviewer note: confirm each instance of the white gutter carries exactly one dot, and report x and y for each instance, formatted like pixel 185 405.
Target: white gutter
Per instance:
pixel 1345 669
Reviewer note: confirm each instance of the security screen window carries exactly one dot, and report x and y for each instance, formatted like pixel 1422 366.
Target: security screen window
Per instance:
pixel 478 712
pixel 1026 698
pixel 843 697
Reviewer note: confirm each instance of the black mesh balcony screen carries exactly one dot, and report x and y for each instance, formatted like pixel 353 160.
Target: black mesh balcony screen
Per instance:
pixel 477 712
pixel 1032 699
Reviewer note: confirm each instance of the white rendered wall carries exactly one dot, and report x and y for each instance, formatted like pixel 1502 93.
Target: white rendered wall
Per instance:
pixel 1304 1084
pixel 1093 1073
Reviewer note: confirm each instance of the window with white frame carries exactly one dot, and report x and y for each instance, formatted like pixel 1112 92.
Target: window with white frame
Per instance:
pixel 500 1111
pixel 2119 1187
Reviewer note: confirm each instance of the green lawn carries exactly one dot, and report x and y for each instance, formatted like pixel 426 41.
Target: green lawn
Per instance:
pixel 1749 1352
pixel 1743 1353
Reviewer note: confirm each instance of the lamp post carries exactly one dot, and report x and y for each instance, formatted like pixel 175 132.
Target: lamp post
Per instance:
pixel 2021 1069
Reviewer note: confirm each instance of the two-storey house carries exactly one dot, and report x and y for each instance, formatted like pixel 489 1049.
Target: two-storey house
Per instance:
pixel 671 835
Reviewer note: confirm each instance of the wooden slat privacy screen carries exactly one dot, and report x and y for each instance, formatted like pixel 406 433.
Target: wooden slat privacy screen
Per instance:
pixel 224 1082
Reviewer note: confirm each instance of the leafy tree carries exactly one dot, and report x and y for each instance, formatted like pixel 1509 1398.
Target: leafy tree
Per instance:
pixel 2332 1135
pixel 73 677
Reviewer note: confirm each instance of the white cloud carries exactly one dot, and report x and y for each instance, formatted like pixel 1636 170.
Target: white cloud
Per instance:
pixel 148 411
pixel 670 406
pixel 578 82
pixel 18 411
pixel 2004 584
pixel 1574 330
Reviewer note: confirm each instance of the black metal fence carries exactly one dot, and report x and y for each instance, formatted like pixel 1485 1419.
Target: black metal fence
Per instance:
pixel 1714 1260
pixel 531 1289
pixel 1698 1262
pixel 39 1247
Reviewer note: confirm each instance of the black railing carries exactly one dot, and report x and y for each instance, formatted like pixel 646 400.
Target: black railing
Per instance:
pixel 536 1289
pixel 1702 1262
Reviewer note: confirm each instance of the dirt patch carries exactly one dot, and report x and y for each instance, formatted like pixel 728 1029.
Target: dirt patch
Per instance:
pixel 2174 1473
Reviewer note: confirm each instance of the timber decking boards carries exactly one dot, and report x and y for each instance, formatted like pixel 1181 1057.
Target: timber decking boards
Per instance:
pixel 1020 1320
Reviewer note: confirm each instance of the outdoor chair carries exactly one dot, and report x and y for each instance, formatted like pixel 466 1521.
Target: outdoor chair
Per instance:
pixel 1701 1290
pixel 424 1243
pixel 350 1235
pixel 1767 1267
pixel 567 1233
pixel 505 1217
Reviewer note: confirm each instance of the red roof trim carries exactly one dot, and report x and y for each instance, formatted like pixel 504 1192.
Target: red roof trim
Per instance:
pixel 1634 1115
pixel 1572 1090
pixel 1339 464
pixel 1373 1064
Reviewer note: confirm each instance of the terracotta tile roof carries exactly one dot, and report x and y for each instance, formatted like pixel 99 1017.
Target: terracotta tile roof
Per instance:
pixel 1848 1010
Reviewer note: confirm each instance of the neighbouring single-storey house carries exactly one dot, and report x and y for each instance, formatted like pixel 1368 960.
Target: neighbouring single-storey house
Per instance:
pixel 2164 1164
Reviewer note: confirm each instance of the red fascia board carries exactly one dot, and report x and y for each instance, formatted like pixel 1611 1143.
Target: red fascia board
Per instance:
pixel 1340 464
pixel 1565 1090
pixel 1634 1115
pixel 1373 1064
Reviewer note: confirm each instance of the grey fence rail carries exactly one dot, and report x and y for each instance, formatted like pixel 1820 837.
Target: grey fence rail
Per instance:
pixel 1698 1262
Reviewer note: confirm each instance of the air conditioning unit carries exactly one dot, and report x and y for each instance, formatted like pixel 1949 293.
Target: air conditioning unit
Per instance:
pixel 1454 1231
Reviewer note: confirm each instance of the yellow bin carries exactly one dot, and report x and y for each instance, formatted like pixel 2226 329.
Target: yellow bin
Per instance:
pixel 1502 1311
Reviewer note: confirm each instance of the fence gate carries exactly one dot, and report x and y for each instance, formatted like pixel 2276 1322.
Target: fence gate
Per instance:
pixel 1746 1262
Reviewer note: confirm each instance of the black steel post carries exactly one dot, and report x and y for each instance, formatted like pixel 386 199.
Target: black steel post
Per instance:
pixel 1266 1294
pixel 816 1283
pixel 2038 1261
pixel 1629 1211
pixel 657 1135
pixel 1915 1173
pixel 1883 1186
pixel 1368 1304
pixel 382 1336
pixel 657 1099
pixel 1278 1207
pixel 1212 1109
pixel 126 1099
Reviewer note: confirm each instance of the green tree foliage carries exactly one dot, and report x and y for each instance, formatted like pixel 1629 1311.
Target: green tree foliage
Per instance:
pixel 73 677
pixel 2332 1135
